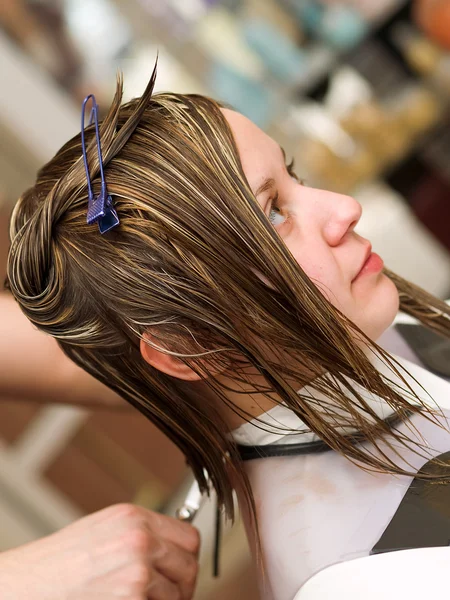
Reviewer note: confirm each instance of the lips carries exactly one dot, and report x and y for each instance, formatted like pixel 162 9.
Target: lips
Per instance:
pixel 366 258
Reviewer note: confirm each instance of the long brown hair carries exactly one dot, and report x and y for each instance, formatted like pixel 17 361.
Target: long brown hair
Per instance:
pixel 196 262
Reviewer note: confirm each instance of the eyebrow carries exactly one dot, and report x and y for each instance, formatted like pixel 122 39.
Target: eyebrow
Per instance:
pixel 269 183
pixel 266 185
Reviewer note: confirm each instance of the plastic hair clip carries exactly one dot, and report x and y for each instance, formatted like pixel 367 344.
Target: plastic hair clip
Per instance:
pixel 101 208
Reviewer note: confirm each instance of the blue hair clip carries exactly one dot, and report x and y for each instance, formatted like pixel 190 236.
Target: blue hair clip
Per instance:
pixel 100 208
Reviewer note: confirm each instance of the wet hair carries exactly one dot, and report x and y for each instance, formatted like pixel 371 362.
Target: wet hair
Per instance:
pixel 195 264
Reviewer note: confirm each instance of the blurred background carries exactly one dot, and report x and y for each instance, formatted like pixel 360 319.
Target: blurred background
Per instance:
pixel 357 91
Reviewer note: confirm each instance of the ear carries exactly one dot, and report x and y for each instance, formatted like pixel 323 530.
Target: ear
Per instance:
pixel 166 363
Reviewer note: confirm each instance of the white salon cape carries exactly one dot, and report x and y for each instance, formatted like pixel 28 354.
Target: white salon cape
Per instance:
pixel 316 510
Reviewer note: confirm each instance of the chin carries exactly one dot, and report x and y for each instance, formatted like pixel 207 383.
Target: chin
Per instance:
pixel 384 308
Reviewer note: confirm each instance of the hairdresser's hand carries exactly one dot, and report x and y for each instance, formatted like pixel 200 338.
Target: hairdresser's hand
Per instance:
pixel 122 552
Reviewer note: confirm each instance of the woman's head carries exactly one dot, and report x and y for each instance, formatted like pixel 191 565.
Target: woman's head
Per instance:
pixel 197 282
pixel 318 228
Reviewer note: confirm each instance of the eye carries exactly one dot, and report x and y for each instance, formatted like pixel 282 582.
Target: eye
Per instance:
pixel 275 215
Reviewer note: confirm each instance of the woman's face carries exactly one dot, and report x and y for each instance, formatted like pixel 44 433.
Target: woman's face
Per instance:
pixel 318 228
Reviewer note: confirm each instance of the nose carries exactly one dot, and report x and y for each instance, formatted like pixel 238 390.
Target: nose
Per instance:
pixel 340 217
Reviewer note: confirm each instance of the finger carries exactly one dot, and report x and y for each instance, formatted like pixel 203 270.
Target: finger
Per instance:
pixel 161 588
pixel 182 534
pixel 177 565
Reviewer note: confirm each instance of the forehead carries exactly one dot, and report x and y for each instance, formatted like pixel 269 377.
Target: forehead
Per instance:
pixel 257 150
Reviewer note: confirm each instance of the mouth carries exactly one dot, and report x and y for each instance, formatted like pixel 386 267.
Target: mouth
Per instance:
pixel 366 258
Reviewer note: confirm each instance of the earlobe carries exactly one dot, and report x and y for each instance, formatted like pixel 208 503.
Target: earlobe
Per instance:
pixel 166 363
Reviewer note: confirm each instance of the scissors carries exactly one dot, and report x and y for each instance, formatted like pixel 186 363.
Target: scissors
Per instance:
pixel 192 504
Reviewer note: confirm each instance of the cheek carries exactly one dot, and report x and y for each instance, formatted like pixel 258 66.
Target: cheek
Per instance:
pixel 312 255
pixel 372 307
pixel 321 268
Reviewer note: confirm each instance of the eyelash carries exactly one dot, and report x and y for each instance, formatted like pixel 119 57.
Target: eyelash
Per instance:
pixel 291 172
pixel 290 169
